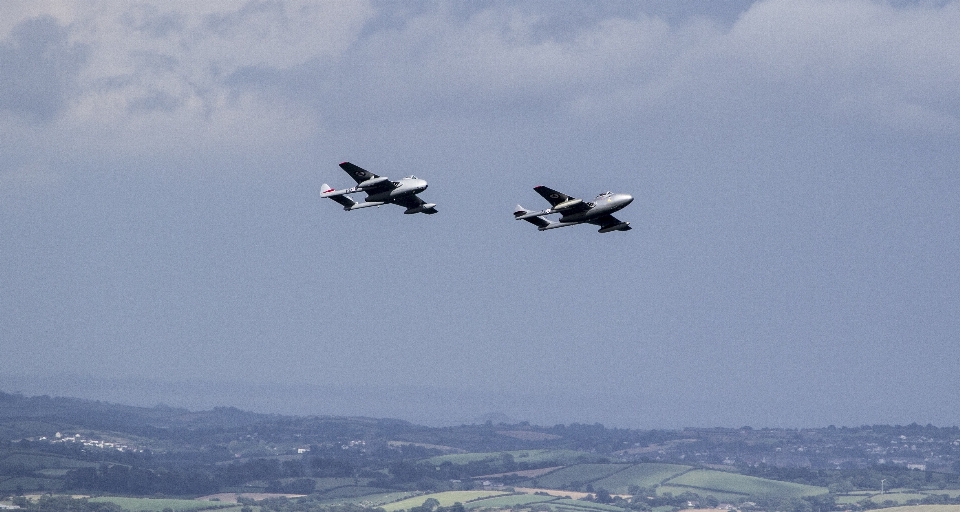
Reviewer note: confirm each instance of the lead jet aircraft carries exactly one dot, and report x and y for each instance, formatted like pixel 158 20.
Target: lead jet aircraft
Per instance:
pixel 575 211
pixel 380 190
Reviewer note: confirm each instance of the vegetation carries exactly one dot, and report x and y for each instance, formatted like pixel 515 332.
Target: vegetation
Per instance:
pixel 160 458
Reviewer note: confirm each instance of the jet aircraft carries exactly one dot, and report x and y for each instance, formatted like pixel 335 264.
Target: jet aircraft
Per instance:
pixel 575 211
pixel 380 190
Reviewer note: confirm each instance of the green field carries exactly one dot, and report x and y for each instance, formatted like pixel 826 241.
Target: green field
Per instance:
pixel 582 506
pixel 925 508
pixel 900 498
pixel 445 498
pixel 576 476
pixel 528 500
pixel 509 501
pixel 151 504
pixel 369 500
pixel 705 481
pixel 324 484
pixel 532 457
pixel 644 475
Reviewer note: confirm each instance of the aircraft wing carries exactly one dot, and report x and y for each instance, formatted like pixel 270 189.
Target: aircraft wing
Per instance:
pixel 413 201
pixel 557 198
pixel 609 221
pixel 552 196
pixel 357 173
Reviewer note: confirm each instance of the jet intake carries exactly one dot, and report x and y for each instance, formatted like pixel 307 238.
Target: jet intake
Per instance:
pixel 372 182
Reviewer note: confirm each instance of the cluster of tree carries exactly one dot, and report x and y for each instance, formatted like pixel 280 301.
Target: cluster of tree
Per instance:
pixel 131 480
pixel 197 480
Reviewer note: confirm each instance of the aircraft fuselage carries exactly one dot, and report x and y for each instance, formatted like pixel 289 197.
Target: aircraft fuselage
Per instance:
pixel 404 187
pixel 604 205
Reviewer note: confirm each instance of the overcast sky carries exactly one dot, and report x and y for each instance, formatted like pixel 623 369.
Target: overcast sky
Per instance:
pixel 795 257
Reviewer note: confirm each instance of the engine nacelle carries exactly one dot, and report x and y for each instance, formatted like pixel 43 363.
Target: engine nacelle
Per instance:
pixel 419 209
pixel 623 226
pixel 372 182
pixel 567 204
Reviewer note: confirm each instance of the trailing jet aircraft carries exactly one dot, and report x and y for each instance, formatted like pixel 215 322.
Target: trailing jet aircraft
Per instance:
pixel 575 211
pixel 380 190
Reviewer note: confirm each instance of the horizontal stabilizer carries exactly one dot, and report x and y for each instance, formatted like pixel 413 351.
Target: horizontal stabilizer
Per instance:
pixel 532 217
pixel 328 191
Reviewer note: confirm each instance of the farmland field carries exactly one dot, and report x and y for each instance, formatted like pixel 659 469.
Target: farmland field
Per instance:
pixel 509 501
pixel 710 480
pixel 579 474
pixel 583 506
pixel 327 483
pixel 445 498
pixel 644 475
pixel 369 500
pixel 529 456
pixel 925 508
pixel 144 504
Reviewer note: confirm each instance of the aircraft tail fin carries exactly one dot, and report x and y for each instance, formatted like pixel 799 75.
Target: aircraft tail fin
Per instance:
pixel 344 200
pixel 539 222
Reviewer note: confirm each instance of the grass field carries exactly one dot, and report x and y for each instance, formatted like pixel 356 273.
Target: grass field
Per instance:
pixel 925 508
pixel 578 474
pixel 445 498
pixel 644 475
pixel 145 504
pixel 582 506
pixel 719 481
pixel 509 501
pixel 529 500
pixel 324 484
pixel 369 500
pixel 900 498
pixel 530 456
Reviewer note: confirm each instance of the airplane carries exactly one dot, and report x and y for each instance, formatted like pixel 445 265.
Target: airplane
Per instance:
pixel 380 190
pixel 575 211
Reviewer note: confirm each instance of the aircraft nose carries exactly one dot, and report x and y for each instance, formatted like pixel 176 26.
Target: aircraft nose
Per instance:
pixel 423 185
pixel 626 199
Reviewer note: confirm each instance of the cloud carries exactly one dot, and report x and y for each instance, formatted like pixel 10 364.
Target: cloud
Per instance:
pixel 138 79
pixel 38 69
pixel 148 78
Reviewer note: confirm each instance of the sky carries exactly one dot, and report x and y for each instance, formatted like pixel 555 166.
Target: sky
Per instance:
pixel 794 165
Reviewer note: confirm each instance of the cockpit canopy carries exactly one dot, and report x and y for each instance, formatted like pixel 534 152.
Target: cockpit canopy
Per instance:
pixel 412 177
pixel 604 194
